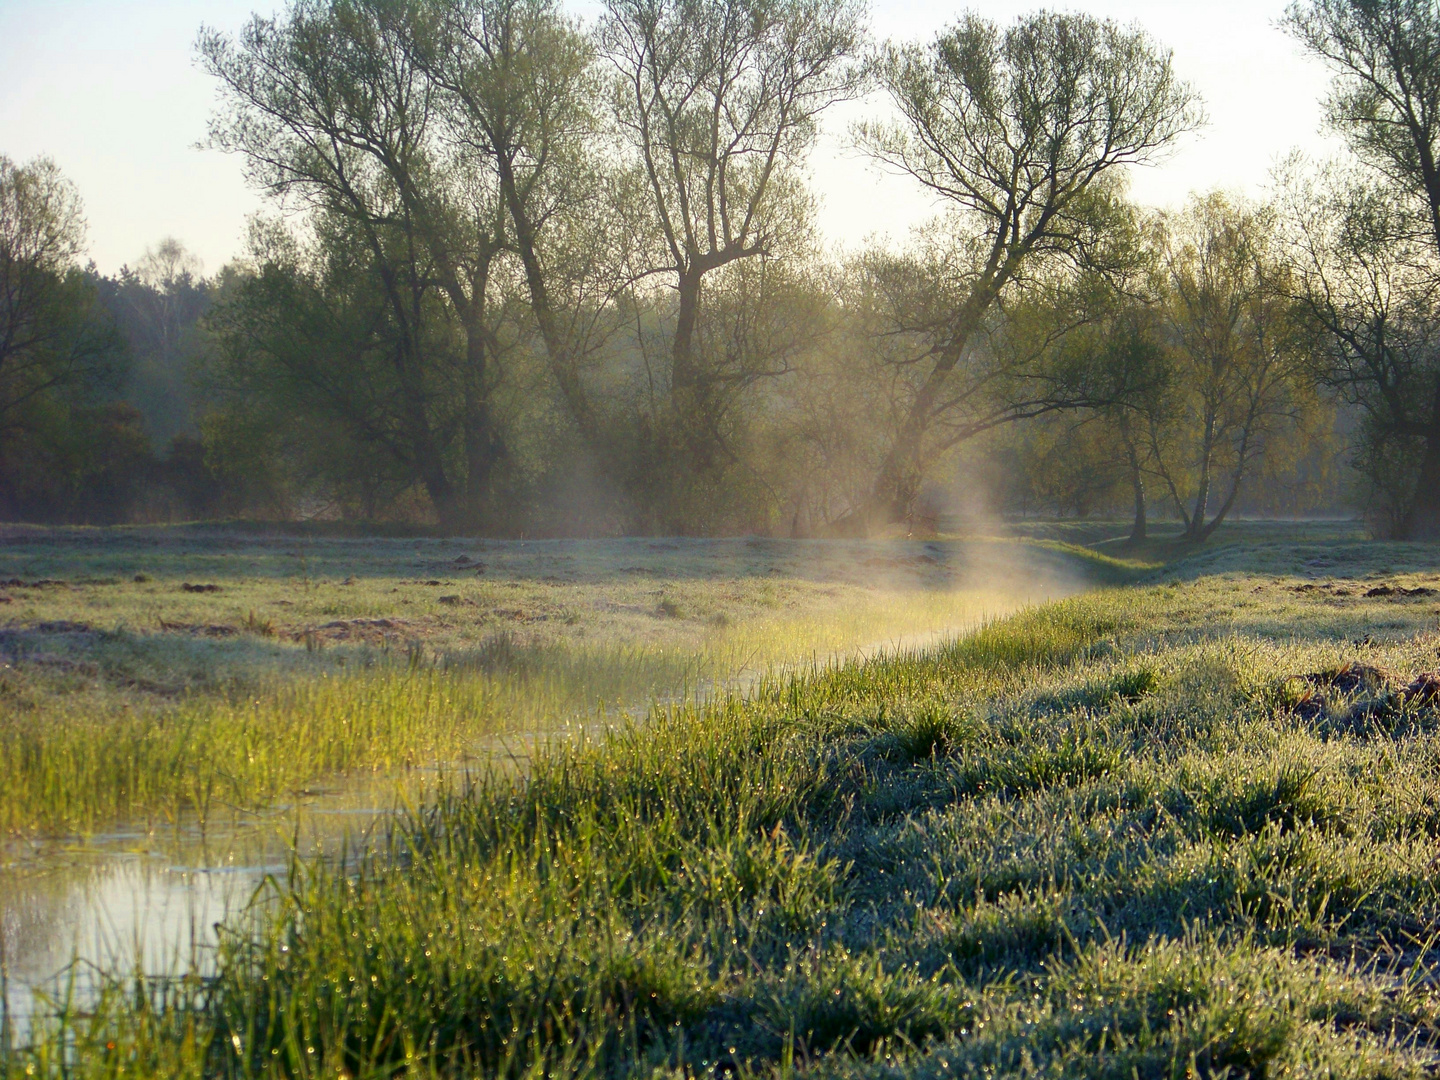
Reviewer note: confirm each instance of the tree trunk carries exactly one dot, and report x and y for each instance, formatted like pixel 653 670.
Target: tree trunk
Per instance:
pixel 684 378
pixel 9 500
pixel 1207 529
pixel 690 392
pixel 1140 529
pixel 1195 530
pixel 429 462
pixel 439 488
pixel 1423 520
pixel 898 481
pixel 483 448
pixel 563 366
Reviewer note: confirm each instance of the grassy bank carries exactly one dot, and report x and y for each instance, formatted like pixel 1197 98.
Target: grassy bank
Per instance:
pixel 1188 828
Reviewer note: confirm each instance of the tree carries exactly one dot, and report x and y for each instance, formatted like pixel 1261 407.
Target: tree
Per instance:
pixel 330 106
pixel 1369 289
pixel 57 351
pixel 1020 131
pixel 1385 58
pixel 1128 351
pixel 1237 357
pixel 718 102
pixel 158 305
pixel 517 86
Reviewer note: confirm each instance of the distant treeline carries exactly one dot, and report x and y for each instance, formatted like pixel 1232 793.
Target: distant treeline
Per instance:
pixel 530 275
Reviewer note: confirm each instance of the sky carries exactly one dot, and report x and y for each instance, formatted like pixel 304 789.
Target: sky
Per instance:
pixel 111 91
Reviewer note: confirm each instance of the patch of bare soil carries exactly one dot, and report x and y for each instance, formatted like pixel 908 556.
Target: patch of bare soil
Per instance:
pixel 1383 591
pixel 63 626
pixel 370 631
pixel 1351 678
pixel 1424 690
pixel 213 630
pixel 1397 592
pixel 1329 588
pixel 1355 697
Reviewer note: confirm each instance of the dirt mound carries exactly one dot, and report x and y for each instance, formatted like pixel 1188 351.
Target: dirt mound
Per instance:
pixel 1357 697
pixel 63 626
pixel 1350 678
pixel 199 629
pixel 1424 690
pixel 371 631
pixel 1398 591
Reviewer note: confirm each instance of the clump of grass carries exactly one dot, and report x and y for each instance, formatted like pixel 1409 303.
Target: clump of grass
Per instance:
pixel 261 627
pixel 822 1002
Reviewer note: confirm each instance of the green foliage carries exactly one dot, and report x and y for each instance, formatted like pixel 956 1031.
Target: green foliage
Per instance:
pixel 1367 243
pixel 551 280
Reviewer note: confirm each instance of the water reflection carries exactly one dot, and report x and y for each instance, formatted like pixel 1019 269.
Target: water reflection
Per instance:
pixel 151 900
pixel 133 900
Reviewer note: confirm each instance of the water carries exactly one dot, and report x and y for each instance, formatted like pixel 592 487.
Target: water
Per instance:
pixel 150 898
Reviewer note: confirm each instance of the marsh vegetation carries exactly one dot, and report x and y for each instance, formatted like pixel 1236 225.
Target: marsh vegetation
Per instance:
pixel 1184 823
pixel 182 711
pixel 162 674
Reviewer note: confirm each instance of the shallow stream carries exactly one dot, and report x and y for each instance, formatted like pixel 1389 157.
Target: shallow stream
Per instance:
pixel 148 897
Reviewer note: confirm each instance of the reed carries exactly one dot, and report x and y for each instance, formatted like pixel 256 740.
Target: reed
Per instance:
pixel 78 761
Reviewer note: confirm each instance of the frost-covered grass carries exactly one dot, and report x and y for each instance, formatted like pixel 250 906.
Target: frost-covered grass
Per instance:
pixel 1147 831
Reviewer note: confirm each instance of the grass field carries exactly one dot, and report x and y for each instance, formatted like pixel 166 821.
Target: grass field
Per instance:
pixel 1186 826
pixel 182 673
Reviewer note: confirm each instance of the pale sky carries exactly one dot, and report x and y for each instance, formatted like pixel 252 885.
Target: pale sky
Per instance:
pixel 110 90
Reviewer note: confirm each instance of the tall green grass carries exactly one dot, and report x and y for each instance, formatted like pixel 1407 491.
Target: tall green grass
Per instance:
pixel 70 765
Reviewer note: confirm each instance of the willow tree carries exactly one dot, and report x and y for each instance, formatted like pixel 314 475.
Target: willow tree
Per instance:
pixel 1374 284
pixel 718 103
pixel 518 88
pixel 331 109
pixel 1021 133
pixel 1237 356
